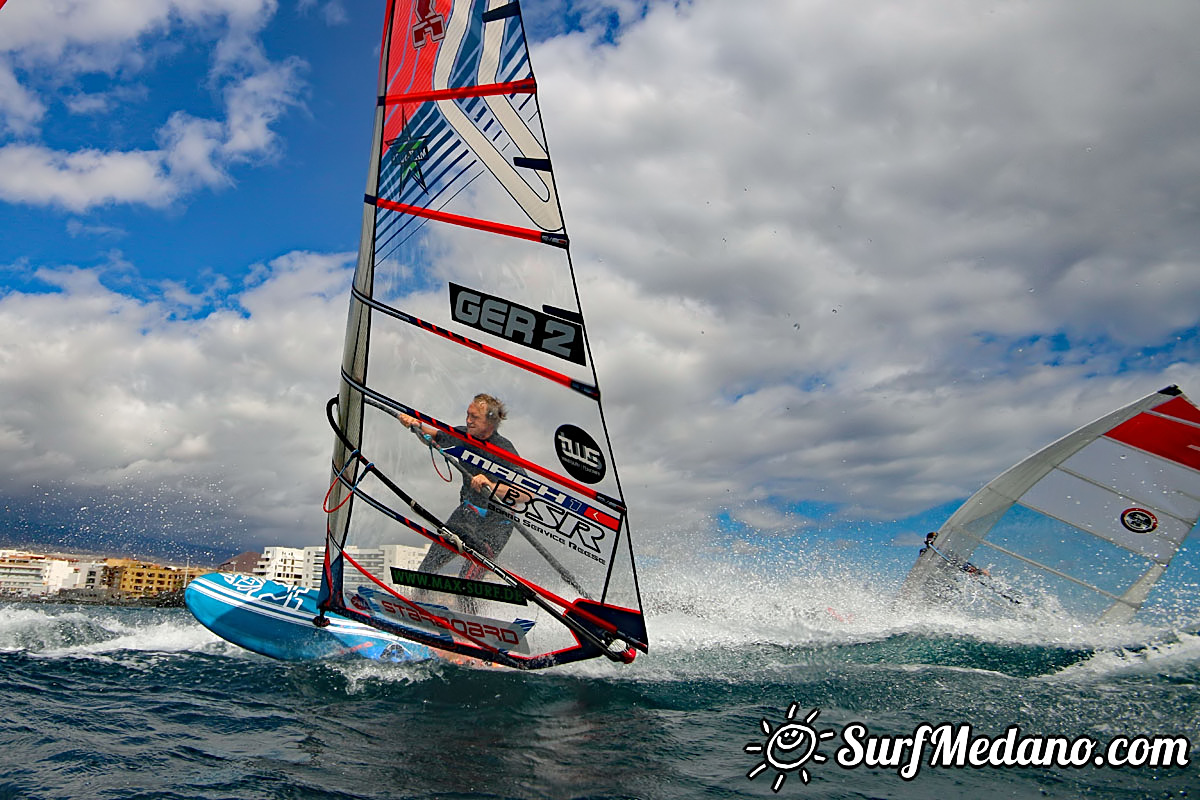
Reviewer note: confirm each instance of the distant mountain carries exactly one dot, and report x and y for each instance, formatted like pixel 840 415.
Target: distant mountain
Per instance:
pixel 162 522
pixel 43 536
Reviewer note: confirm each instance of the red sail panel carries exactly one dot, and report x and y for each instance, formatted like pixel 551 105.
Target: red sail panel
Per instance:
pixel 1180 408
pixel 1176 441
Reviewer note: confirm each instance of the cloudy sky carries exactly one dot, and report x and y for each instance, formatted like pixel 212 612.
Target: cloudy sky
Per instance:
pixel 842 262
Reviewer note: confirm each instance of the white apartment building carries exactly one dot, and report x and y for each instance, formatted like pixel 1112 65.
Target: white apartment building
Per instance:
pixel 379 562
pixel 281 564
pixel 302 567
pixel 29 574
pixel 85 575
pixel 314 562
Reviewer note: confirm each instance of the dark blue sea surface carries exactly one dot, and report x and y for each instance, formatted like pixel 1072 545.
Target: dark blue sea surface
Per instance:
pixel 136 704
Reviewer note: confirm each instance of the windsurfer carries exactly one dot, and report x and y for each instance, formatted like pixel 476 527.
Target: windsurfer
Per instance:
pixel 481 528
pixel 971 569
pixel 965 566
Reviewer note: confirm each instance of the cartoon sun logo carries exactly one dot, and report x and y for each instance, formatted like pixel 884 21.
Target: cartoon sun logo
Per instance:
pixel 789 747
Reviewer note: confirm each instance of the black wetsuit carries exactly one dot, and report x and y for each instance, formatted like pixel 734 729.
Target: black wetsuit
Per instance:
pixel 481 528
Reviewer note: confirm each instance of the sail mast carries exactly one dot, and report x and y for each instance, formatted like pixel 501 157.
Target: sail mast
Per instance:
pixel 358 323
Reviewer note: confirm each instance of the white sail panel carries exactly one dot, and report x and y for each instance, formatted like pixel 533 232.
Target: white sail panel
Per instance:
pixel 1104 513
pixel 1144 478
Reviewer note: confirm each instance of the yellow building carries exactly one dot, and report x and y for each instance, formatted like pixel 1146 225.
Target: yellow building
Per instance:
pixel 139 579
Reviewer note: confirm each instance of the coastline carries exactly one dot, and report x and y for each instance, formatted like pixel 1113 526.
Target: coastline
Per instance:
pixel 170 599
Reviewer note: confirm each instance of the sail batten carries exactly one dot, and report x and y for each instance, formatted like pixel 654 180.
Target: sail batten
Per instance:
pixel 1049 569
pixel 470 222
pixel 527 86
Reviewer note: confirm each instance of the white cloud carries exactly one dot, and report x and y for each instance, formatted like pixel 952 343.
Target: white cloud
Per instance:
pixel 57 41
pixel 97 35
pixel 253 104
pixel 225 410
pixel 20 110
pixel 77 181
pixel 76 228
pixel 333 11
pixel 104 102
pixel 190 150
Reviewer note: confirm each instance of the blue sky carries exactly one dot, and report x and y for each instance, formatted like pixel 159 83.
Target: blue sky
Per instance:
pixel 301 189
pixel 841 265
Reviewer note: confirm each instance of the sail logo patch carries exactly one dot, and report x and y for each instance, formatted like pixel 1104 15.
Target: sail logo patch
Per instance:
pixel 579 454
pixel 568 530
pixel 565 520
pixel 430 25
pixel 405 153
pixel 562 338
pixel 536 489
pixel 1138 520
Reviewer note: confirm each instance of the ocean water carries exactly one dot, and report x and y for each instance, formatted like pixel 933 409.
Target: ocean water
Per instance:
pixel 145 703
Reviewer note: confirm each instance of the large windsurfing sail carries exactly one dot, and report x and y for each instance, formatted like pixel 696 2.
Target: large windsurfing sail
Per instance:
pixel 464 308
pixel 1092 520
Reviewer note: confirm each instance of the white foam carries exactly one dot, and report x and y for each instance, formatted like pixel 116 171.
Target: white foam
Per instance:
pixel 1175 652
pixel 102 631
pixel 361 672
pixel 724 606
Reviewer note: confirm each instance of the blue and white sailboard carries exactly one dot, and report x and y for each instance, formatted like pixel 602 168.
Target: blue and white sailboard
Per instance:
pixel 276 620
pixel 464 287
pixel 1092 520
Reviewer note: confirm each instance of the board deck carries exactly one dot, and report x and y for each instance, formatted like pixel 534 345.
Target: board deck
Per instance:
pixel 276 620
